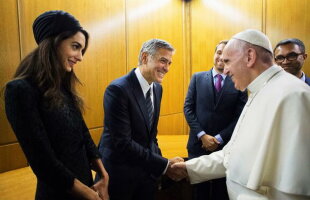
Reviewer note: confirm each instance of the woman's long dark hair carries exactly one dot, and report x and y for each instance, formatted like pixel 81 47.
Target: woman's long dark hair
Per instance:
pixel 45 69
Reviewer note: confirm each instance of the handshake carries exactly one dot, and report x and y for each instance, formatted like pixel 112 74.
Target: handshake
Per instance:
pixel 176 169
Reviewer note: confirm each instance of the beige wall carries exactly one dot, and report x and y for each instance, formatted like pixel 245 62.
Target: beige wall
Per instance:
pixel 119 27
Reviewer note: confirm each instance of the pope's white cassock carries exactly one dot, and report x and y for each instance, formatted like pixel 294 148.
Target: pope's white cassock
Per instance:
pixel 268 156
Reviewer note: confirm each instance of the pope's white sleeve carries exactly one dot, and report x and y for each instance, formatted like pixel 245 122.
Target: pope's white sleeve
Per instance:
pixel 206 167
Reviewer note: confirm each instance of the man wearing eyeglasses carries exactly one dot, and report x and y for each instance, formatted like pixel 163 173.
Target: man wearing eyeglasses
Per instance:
pixel 290 55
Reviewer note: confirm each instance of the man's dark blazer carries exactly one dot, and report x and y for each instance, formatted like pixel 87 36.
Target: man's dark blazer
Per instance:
pixel 128 144
pixel 204 112
pixel 307 80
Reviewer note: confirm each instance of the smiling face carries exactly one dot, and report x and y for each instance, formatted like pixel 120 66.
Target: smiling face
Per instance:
pixel 218 63
pixel 155 67
pixel 292 66
pixel 235 64
pixel 70 50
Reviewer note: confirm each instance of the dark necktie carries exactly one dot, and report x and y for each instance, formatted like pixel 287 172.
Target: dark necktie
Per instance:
pixel 218 83
pixel 149 107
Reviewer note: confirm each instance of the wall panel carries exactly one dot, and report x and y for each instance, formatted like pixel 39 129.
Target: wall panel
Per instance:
pixel 171 124
pixel 11 157
pixel 289 19
pixel 96 134
pixel 106 58
pixel 216 20
pixel 9 57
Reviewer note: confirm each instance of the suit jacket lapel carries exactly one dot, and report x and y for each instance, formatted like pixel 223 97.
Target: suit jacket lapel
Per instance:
pixel 209 89
pixel 139 96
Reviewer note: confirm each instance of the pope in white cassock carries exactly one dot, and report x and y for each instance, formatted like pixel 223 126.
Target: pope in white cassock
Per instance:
pixel 268 156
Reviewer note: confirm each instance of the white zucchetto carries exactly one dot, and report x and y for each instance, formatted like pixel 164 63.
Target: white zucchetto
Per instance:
pixel 254 37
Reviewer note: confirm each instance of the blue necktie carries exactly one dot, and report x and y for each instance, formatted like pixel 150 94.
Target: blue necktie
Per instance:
pixel 149 107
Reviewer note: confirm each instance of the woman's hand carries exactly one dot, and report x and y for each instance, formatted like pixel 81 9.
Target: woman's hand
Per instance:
pixel 101 187
pixel 81 191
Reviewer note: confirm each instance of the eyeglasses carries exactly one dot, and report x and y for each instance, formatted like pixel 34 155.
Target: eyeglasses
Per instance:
pixel 290 57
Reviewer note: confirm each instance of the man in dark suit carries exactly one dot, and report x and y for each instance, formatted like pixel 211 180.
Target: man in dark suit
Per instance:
pixel 128 144
pixel 290 54
pixel 212 108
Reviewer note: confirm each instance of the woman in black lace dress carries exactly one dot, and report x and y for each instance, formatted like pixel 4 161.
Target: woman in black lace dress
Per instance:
pixel 44 111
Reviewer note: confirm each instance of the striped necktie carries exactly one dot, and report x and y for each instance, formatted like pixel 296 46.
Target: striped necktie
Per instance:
pixel 149 107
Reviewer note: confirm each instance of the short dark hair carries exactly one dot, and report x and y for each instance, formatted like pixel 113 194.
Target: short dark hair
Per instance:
pixel 221 42
pixel 296 41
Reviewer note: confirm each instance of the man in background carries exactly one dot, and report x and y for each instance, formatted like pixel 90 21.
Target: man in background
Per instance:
pixel 267 157
pixel 128 144
pixel 290 54
pixel 212 108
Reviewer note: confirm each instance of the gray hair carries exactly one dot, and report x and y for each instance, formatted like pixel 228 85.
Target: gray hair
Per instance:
pixel 152 46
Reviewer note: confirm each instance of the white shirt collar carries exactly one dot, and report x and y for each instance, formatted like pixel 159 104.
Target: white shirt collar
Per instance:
pixel 214 73
pixel 303 77
pixel 143 83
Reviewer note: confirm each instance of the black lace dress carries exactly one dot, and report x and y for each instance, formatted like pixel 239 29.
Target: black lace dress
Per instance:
pixel 56 142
